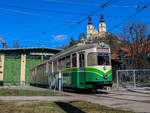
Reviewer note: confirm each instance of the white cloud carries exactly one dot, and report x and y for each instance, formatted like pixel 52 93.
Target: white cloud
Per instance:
pixel 58 38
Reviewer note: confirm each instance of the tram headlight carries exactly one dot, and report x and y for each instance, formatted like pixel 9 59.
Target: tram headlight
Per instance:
pixel 105 76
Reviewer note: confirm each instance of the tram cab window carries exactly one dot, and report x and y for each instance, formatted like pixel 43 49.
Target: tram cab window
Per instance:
pixel 68 63
pixel 74 60
pixel 63 62
pixel 98 59
pixel 103 59
pixel 92 60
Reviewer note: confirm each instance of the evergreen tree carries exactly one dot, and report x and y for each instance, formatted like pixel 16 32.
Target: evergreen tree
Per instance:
pixel 80 37
pixel 83 35
pixel 72 42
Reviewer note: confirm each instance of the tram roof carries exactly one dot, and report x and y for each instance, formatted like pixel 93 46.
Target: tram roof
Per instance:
pixel 80 47
pixel 77 47
pixel 27 50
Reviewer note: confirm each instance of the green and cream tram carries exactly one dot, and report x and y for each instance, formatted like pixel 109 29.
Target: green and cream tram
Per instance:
pixel 85 65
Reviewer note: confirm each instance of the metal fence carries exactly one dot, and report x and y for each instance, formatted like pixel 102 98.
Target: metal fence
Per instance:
pixel 133 78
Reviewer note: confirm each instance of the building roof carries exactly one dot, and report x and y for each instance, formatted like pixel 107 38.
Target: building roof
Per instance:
pixel 27 50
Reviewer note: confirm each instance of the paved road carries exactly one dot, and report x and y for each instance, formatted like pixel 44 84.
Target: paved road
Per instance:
pixel 135 101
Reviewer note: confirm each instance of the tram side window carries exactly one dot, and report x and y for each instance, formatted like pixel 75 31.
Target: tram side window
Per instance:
pixel 55 66
pixel 68 63
pixel 81 60
pixel 92 59
pixel 63 63
pixel 59 64
pixel 103 59
pixel 50 67
pixel 44 69
pixel 74 60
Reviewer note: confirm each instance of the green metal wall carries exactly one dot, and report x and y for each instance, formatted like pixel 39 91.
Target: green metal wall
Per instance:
pixel 30 63
pixel 12 71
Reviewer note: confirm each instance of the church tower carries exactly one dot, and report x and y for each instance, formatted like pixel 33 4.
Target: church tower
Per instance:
pixel 102 27
pixel 90 29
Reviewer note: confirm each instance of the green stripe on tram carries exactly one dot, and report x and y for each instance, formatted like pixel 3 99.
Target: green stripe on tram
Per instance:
pixel 95 71
pixel 98 71
pixel 71 70
pixel 109 72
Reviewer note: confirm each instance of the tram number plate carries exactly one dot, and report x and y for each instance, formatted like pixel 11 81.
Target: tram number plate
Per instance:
pixel 103 50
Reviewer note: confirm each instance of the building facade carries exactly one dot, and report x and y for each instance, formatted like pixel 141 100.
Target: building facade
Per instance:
pixel 15 63
pixel 93 33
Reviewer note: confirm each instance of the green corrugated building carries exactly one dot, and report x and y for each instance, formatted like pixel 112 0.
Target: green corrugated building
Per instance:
pixel 15 63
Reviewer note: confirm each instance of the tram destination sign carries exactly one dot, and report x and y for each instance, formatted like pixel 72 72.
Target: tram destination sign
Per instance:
pixel 103 50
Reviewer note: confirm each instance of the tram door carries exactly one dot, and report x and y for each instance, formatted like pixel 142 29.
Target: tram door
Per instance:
pixel 81 67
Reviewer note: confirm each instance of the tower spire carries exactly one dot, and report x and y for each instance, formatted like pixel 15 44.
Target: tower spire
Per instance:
pixel 90 21
pixel 102 18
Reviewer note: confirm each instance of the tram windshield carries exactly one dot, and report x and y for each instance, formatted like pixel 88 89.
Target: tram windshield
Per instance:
pixel 98 59
pixel 103 59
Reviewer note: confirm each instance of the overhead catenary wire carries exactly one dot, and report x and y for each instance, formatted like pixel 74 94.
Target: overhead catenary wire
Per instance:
pixel 3 7
pixel 55 11
pixel 69 21
pixel 93 12
pixel 127 19
pixel 41 10
pixel 24 12
pixel 75 24
pixel 92 15
pixel 104 5
pixel 73 2
pixel 86 3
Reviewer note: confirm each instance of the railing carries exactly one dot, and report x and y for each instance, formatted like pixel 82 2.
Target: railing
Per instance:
pixel 133 78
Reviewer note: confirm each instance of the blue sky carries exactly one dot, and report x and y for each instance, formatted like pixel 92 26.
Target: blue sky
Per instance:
pixel 51 23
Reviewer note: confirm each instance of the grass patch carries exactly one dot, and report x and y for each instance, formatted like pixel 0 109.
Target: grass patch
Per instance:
pixel 55 107
pixel 16 92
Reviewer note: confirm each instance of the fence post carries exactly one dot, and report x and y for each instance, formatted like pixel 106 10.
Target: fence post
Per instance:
pixel 59 81
pixel 49 81
pixel 117 79
pixel 134 79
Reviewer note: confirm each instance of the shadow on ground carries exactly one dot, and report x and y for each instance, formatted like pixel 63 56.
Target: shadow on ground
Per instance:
pixel 68 108
pixel 84 91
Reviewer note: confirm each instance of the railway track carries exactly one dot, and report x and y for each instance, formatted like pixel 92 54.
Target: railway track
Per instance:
pixel 126 96
pixel 105 94
pixel 119 96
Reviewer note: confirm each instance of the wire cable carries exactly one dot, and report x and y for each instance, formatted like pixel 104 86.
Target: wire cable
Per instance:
pixel 127 19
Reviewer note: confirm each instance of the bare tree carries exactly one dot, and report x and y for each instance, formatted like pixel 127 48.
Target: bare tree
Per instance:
pixel 16 45
pixel 72 42
pixel 135 35
pixel 83 35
